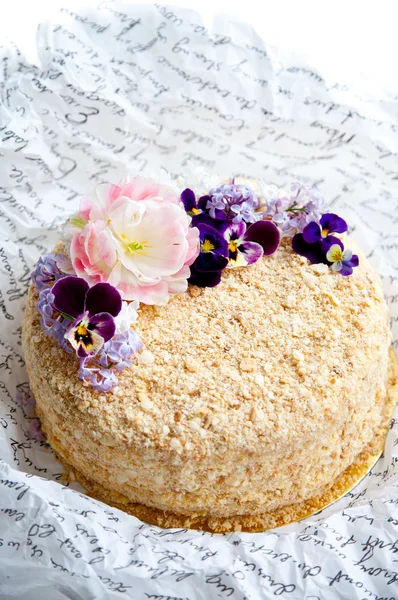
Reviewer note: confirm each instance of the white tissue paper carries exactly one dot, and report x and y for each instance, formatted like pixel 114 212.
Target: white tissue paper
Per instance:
pixel 142 89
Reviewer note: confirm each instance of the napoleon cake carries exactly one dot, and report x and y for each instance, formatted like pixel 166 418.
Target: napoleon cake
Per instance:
pixel 210 358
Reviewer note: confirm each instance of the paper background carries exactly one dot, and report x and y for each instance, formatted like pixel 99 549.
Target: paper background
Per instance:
pixel 135 89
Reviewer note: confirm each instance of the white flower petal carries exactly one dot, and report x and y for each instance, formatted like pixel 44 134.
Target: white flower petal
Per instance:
pixel 347 255
pixel 127 316
pixel 337 266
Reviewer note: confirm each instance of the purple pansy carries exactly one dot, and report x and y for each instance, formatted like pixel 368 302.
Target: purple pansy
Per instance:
pixel 212 259
pixel 191 206
pixel 342 261
pixel 197 210
pixel 204 278
pixel 45 274
pixel 321 232
pixel 92 311
pixel 247 245
pixel 313 252
pixel 316 240
pixel 213 250
pixel 266 234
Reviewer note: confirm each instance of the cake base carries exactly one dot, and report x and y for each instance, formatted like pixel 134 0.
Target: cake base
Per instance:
pixel 268 520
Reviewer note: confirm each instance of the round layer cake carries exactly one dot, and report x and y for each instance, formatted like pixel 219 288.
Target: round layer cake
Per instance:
pixel 248 397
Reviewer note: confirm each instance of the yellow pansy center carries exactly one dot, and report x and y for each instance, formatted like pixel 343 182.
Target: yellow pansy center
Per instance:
pixel 207 246
pixel 196 211
pixel 335 253
pixel 233 245
pixel 325 232
pixel 81 330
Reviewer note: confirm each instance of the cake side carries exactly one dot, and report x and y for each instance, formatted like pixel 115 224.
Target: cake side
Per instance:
pixel 248 396
pixel 270 519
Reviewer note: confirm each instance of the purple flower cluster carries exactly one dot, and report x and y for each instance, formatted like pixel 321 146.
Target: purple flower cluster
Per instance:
pixel 83 318
pixel 116 354
pixel 55 325
pixel 227 236
pixel 46 271
pixel 25 398
pixel 34 430
pixel 294 210
pixel 45 274
pixel 229 203
pixel 319 245
pixel 45 308
pixel 237 202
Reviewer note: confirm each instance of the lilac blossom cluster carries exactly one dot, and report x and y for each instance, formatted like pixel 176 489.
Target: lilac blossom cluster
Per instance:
pixel 237 202
pixel 45 274
pixel 34 430
pixel 55 325
pixel 47 271
pixel 115 355
pixel 294 209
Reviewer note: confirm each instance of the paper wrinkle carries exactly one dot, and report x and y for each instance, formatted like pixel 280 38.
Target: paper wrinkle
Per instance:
pixel 142 89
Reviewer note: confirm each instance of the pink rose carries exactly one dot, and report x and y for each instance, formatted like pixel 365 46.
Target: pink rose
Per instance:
pixel 135 236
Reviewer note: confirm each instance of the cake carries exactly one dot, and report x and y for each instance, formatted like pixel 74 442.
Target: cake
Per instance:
pixel 241 392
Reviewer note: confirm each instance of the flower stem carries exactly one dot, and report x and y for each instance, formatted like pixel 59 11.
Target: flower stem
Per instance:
pixel 295 209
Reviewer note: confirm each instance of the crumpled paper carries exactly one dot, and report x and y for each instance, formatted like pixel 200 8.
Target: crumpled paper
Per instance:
pixel 139 89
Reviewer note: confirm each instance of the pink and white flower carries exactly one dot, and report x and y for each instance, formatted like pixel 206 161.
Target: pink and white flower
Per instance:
pixel 135 236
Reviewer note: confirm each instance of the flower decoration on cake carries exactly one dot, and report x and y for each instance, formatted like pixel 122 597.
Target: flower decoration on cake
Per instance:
pixel 143 241
pixel 323 231
pixel 229 202
pixel 342 261
pixel 232 202
pixel 319 245
pixel 246 245
pixel 232 232
pixel 91 310
pixel 212 259
pixel 44 276
pixel 192 206
pixel 135 236
pixel 293 209
pixel 115 355
pixel 46 271
pixel 93 322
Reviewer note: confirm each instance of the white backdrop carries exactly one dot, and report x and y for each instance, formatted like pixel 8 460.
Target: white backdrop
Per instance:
pixel 136 89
